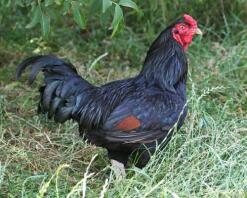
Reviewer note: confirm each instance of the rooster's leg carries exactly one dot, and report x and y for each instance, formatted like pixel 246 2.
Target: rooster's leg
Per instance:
pixel 118 169
pixel 118 160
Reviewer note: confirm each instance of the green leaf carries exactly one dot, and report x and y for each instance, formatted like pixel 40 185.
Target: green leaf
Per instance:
pixel 58 2
pixel 48 2
pixel 105 18
pixel 19 3
pixel 118 17
pixel 8 4
pixel 106 4
pixel 95 6
pixel 35 18
pixel 78 16
pixel 66 7
pixel 130 4
pixel 45 25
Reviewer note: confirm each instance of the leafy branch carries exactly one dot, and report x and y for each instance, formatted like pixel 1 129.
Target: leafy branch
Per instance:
pixel 44 12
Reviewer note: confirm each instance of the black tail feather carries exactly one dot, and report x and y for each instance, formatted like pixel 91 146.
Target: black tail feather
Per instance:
pixel 56 102
pixel 24 64
pixel 48 93
pixel 65 95
pixel 63 114
pixel 54 93
pixel 45 63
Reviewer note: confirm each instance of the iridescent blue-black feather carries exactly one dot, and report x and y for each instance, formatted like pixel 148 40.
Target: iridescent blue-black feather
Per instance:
pixel 122 115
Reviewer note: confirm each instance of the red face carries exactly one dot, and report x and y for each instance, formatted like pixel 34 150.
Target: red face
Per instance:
pixel 183 32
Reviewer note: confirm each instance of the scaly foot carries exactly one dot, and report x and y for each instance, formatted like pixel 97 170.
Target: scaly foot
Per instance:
pixel 118 169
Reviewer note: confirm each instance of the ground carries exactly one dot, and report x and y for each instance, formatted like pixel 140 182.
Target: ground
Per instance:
pixel 206 158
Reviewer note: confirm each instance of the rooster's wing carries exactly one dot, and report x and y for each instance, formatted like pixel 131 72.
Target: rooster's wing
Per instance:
pixel 143 118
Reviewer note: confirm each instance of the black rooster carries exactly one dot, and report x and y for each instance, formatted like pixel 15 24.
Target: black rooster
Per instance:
pixel 124 116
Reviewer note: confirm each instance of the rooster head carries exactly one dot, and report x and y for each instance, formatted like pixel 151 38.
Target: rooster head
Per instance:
pixel 184 30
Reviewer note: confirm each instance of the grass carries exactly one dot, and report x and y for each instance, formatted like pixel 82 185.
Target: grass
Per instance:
pixel 206 158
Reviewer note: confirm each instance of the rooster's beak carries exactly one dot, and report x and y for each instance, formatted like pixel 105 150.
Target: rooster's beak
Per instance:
pixel 198 31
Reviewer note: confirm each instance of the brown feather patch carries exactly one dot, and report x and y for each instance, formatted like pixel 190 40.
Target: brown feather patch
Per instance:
pixel 128 123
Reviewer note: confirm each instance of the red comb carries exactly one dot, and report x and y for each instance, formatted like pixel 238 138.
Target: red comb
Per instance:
pixel 188 19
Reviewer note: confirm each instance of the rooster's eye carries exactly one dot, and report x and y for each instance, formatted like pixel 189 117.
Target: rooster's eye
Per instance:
pixel 182 27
